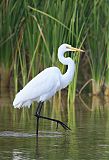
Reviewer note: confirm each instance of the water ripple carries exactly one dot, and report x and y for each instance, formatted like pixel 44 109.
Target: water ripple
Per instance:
pixel 27 135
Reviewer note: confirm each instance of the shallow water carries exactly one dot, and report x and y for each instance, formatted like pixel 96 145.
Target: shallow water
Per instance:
pixel 87 140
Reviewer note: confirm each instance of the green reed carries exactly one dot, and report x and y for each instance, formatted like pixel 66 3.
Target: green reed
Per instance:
pixel 96 45
pixel 77 37
pixel 106 76
pixel 11 21
pixel 31 33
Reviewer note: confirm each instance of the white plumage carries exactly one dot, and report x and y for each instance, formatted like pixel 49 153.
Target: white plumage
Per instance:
pixel 40 88
pixel 48 82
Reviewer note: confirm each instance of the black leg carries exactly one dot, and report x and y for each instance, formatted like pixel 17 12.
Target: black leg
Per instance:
pixel 39 116
pixel 37 125
pixel 57 126
pixel 38 110
pixel 57 121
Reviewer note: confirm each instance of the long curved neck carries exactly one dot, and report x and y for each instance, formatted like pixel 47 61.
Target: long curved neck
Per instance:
pixel 68 76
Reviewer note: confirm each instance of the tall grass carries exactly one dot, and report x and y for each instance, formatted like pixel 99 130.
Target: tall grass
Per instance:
pixel 11 21
pixel 106 81
pixel 77 37
pixel 96 45
pixel 31 32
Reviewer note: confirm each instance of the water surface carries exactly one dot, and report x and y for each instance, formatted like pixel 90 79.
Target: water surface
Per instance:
pixel 88 139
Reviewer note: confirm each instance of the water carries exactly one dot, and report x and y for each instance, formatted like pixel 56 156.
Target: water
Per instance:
pixel 88 140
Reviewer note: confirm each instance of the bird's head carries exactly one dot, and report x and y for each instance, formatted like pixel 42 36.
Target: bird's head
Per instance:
pixel 66 47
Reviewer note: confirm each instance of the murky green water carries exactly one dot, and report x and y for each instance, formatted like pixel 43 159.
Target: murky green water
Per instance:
pixel 88 140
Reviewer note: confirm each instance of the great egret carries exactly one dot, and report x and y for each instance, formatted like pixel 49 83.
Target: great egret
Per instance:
pixel 46 84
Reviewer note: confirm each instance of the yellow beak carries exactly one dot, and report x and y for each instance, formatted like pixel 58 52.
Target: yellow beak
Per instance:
pixel 76 49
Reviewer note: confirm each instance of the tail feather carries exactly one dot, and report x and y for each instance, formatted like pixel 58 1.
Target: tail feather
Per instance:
pixel 20 102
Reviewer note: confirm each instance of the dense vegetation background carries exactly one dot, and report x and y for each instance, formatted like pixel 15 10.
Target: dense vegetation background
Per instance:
pixel 31 32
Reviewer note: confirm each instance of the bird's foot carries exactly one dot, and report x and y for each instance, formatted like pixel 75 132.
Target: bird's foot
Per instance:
pixel 63 125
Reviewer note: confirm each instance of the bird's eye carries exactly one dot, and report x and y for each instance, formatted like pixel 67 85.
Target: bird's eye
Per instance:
pixel 67 47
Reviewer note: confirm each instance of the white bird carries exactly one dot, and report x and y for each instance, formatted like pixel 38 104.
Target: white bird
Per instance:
pixel 43 86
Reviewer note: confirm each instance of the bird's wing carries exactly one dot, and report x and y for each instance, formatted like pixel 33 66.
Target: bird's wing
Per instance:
pixel 43 83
